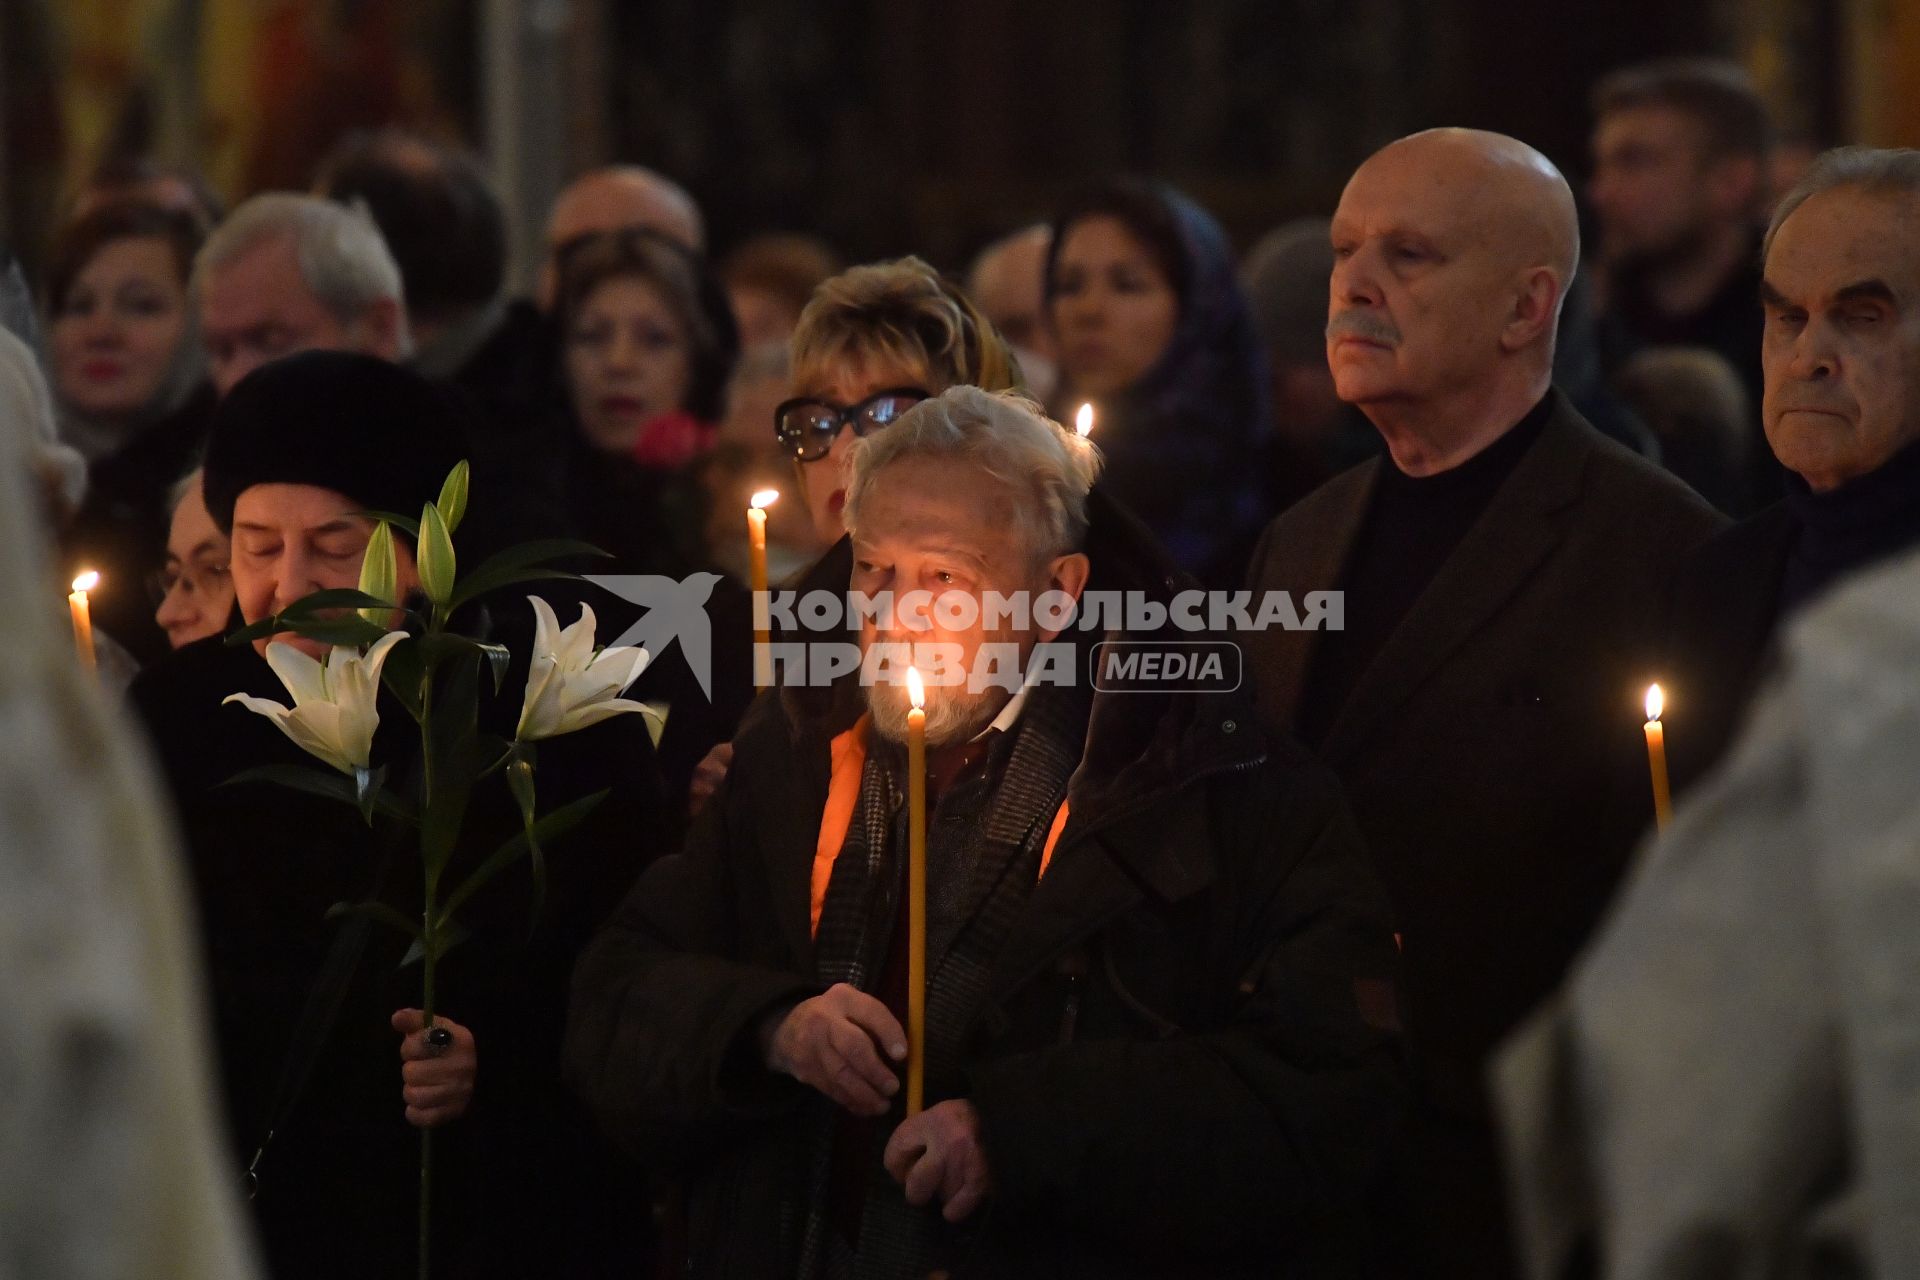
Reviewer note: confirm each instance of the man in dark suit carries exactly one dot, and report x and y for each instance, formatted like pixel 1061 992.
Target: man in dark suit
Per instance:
pixel 1498 568
pixel 1842 413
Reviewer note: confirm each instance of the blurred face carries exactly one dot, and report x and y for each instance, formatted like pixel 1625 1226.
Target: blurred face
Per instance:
pixel 1841 350
pixel 1654 190
pixel 291 540
pixel 1009 286
pixel 119 328
pixel 258 308
pixel 613 201
pixel 1418 295
pixel 823 482
pixel 1113 309
pixel 764 317
pixel 929 525
pixel 196 584
pixel 628 360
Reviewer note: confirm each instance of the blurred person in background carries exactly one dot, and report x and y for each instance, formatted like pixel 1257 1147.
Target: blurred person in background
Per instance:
pixel 1692 401
pixel 195 589
pixel 1315 434
pixel 137 178
pixel 1152 328
pixel 1680 192
pixel 648 344
pixel 613 198
pixel 1008 281
pixel 769 278
pixel 129 382
pixel 287 273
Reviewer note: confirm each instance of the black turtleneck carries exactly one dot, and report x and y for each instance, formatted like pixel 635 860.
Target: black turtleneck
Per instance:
pixel 1866 519
pixel 1412 525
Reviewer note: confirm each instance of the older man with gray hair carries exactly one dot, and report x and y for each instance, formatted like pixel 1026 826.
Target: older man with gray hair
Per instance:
pixel 287 273
pixel 1840 352
pixel 1160 1024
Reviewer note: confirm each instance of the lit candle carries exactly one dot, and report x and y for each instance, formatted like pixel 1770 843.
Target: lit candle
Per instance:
pixel 83 618
pixel 916 894
pixel 1083 420
pixel 757 575
pixel 1657 756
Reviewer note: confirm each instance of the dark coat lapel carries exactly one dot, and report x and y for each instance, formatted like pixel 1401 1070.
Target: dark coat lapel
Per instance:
pixel 1520 527
pixel 1315 559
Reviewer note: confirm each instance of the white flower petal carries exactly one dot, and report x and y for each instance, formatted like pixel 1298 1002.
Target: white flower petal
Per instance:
pixel 623 665
pixel 540 712
pixel 302 674
pixel 274 711
pixel 315 729
pixel 583 716
pixel 546 627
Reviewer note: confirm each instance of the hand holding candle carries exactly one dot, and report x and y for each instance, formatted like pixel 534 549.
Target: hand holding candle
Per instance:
pixel 83 618
pixel 757 581
pixel 1657 756
pixel 916 894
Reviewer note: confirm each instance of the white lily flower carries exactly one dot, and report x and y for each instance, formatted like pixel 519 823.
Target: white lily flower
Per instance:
pixel 569 686
pixel 334 711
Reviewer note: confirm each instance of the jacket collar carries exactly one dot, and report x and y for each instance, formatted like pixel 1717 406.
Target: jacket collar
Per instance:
pixel 1520 528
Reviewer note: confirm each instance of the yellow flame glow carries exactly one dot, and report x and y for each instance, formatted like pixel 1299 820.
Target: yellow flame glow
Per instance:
pixel 916 688
pixel 764 499
pixel 1656 702
pixel 86 581
pixel 1083 420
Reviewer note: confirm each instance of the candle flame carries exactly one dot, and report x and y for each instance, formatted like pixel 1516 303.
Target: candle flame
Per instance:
pixel 763 499
pixel 1656 702
pixel 1083 420
pixel 916 688
pixel 86 581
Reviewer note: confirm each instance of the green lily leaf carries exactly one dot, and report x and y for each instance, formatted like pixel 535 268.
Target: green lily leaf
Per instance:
pixel 328 784
pixel 455 758
pixel 521 564
pixel 452 933
pixel 398 521
pixel 379 911
pixel 545 831
pixel 452 502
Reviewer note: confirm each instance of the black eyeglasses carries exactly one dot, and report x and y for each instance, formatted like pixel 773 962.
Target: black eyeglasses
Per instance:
pixel 806 427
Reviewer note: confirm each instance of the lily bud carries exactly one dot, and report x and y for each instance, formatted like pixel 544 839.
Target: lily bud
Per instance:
pixel 436 556
pixel 380 573
pixel 453 497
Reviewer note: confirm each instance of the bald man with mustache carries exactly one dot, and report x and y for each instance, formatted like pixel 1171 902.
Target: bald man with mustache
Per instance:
pixel 1500 568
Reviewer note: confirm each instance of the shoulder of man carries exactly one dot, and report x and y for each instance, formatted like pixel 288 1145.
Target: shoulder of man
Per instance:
pixel 1309 518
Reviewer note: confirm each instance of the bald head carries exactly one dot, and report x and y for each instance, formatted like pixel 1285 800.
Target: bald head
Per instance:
pixel 1008 283
pixel 617 197
pixel 1516 197
pixel 1453 250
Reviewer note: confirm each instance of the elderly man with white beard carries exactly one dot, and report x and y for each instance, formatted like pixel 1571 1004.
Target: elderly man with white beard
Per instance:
pixel 1160 1023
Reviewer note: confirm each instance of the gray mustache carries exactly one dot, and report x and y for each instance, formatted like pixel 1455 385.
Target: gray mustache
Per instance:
pixel 1358 324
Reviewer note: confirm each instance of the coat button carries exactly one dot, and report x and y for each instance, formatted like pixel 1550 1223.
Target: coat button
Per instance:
pixel 1228 726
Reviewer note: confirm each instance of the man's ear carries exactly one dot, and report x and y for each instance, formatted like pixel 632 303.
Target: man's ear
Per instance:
pixel 1536 302
pixel 1067 573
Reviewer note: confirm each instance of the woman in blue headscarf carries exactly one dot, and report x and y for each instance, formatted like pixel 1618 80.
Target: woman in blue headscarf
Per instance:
pixel 1153 329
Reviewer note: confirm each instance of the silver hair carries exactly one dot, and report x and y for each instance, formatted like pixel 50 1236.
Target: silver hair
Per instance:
pixel 1891 171
pixel 343 257
pixel 1011 439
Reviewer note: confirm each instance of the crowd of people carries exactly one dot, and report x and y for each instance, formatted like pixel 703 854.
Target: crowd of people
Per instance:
pixel 1217 981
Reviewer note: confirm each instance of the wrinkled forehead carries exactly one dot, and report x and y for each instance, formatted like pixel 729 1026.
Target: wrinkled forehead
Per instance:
pixel 929 504
pixel 296 508
pixel 1412 191
pixel 1841 237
